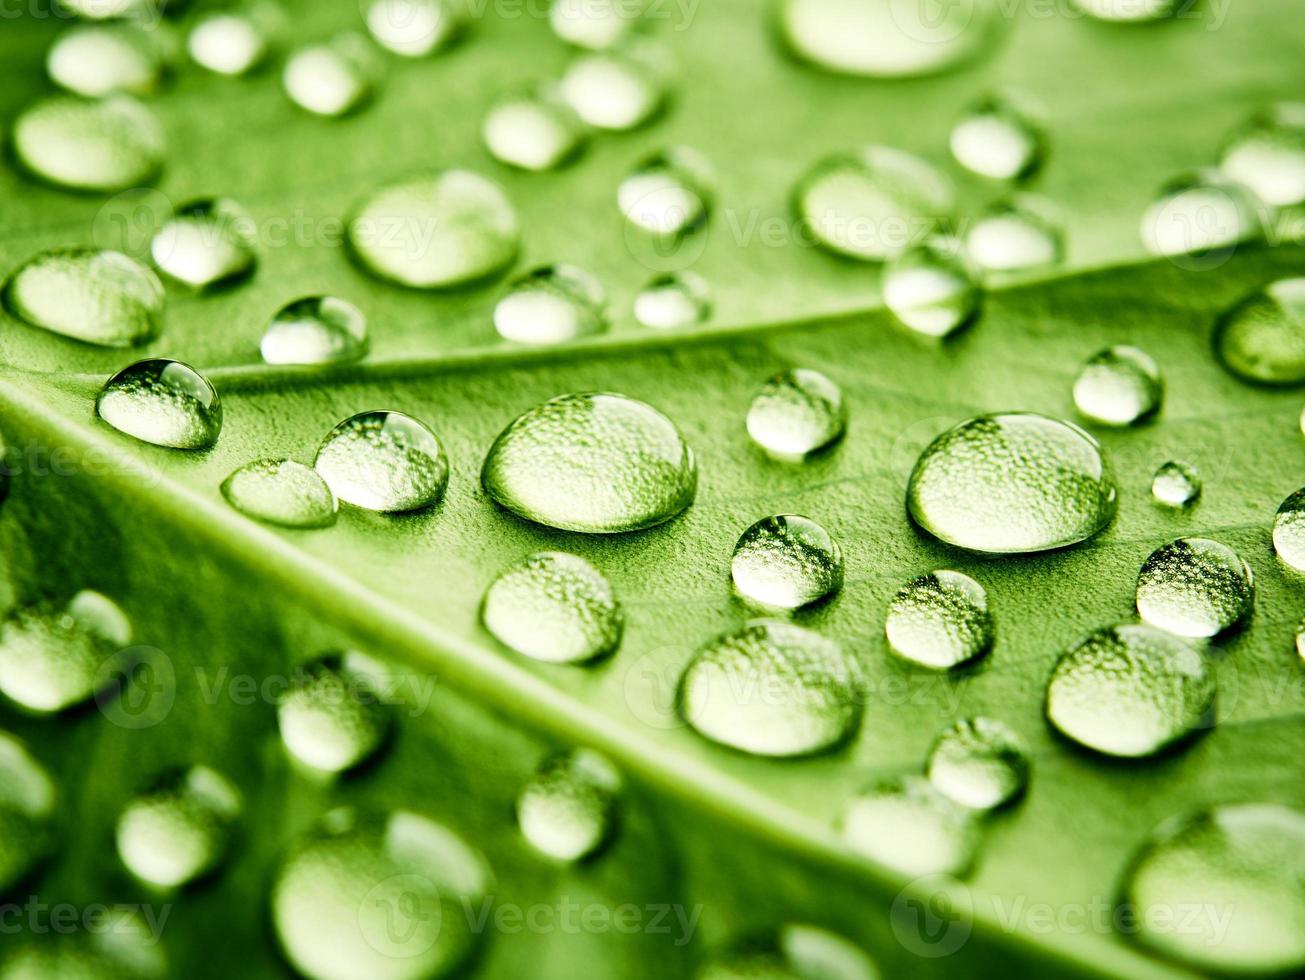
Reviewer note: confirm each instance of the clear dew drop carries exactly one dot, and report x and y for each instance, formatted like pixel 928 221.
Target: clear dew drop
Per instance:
pixel 163 402
pixel 669 193
pixel 533 129
pixel 27 806
pixel 1245 859
pixel 1012 484
pixel 1289 530
pixel 772 688
pixel 434 232
pixel 98 297
pixel 593 24
pixel 1267 154
pixel 911 827
pixel 1261 339
pixel 1202 214
pixel 553 607
pixel 332 78
pixel 551 304
pixel 786 562
pixel 940 620
pixel 1176 484
pixel 796 414
pixel 332 718
pixel 414 28
pixel 618 90
pixel 594 462
pixel 674 301
pixel 1195 587
pixel 95 60
pixel 567 809
pixel 1119 386
pixel 979 763
pixel 97 145
pixel 281 492
pixel 383 461
pixel 1016 235
pixel 996 139
pixel 207 244
pixel 932 288
pixel 316 330
pixel 375 895
pixel 794 951
pixel 1126 11
pixel 233 42
pixel 177 831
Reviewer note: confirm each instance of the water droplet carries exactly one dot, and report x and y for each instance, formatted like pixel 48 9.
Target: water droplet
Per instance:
pixel 103 145
pixel 109 9
pixel 1195 587
pixel 797 413
pixel 909 826
pixel 1268 155
pixel 1261 339
pixel 533 129
pixel 281 491
pixel 414 28
pixel 674 301
pixel 996 139
pixel 316 330
pixel 233 42
pixel 553 607
pixel 1011 484
pixel 567 809
pixel 931 288
pixel 1126 10
pixel 595 462
pixel 433 232
pixel 207 244
pixel 874 204
pixel 383 461
pixel 93 60
pixel 668 194
pixel 332 717
pixel 593 24
pixel 1289 530
pixel 795 951
pixel 95 296
pixel 163 402
pixel 1242 864
pixel 551 304
pixel 787 562
pixel 27 800
pixel 1176 485
pixel 1016 235
pixel 940 620
pixel 332 78
pixel 178 831
pixel 1202 214
pixel 1119 386
pixel 979 763
pixel 618 90
pixel 1130 691
pixel 773 689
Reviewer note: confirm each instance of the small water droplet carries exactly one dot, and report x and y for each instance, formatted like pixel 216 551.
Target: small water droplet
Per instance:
pixel 1195 587
pixel 909 826
pixel 1176 484
pixel 27 802
pixel 281 491
pixel 940 620
pixel 1016 235
pixel 91 295
pixel 797 413
pixel 996 139
pixel 332 717
pixel 178 831
pixel 931 287
pixel 594 462
pixel 207 244
pixel 93 145
pixel 795 951
pixel 669 194
pixel 415 28
pixel 551 304
pixel 1261 339
pixel 567 809
pixel 383 461
pixel 1119 386
pixel 593 24
pixel 94 60
pixel 162 402
pixel 1267 154
pixel 674 301
pixel 533 129
pixel 787 562
pixel 553 607
pixel 1289 530
pixel 980 763
pixel 233 42
pixel 1011 484
pixel 1126 11
pixel 316 330
pixel 618 90
pixel 1203 214
pixel 772 688
pixel 332 78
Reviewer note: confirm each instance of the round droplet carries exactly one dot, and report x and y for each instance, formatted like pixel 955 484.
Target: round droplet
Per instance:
pixel 446 229
pixel 1202 214
pixel 1268 155
pixel 553 607
pixel 178 831
pixel 1176 484
pixel 1016 235
pixel 102 145
pixel 773 689
pixel 912 828
pixel 874 204
pixel 27 803
pixel 1262 338
pixel 1240 868
pixel 797 413
pixel 383 461
pixel 533 129
pixel 1195 587
pixel 795 951
pixel 940 620
pixel 787 562
pixel 99 59
pixel 1289 530
pixel 551 304
pixel 673 301
pixel 332 78
pixel 281 491
pixel 91 295
pixel 1130 691
pixel 931 287
pixel 332 717
pixel 996 139
pixel 979 763
pixel 207 244
pixel 593 24
pixel 1119 386
pixel 162 402
pixel 567 809
pixel 414 28
pixel 617 90
pixel 1126 11
pixel 1011 484
pixel 316 330
pixel 595 462
pixel 668 194
pixel 232 42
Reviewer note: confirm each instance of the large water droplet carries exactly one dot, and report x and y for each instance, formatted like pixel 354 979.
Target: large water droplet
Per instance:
pixel 1195 587
pixel 99 59
pixel 533 129
pixel 281 491
pixel 940 620
pixel 980 763
pixel 909 826
pixel 795 951
pixel 1289 530
pixel 332 717
pixel 996 139
pixel 1126 10
pixel 618 90
pixel 551 304
pixel 593 24
pixel 774 689
pixel 787 562
pixel 163 402
pixel 1268 155
pixel 595 462
pixel 673 301
pixel 567 809
pixel 1119 386
pixel 332 78
pixel 178 831
pixel 553 607
pixel 90 295
pixel 207 244
pixel 669 193
pixel 1202 214
pixel 1013 483
pixel 1261 339
pixel 383 461
pixel 797 413
pixel 1016 235
pixel 437 231
pixel 414 28
pixel 1176 484
pixel 233 42
pixel 316 330
pixel 27 800
pixel 90 145
pixel 931 287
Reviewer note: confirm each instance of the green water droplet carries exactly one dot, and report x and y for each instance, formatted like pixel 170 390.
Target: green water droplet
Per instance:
pixel 206 244
pixel 940 620
pixel 909 826
pixel 551 304
pixel 1261 339
pixel 797 413
pixel 99 145
pixel 110 9
pixel 931 287
pixel 1202 214
pixel 1176 484
pixel 1267 154
pixel 332 78
pixel 533 129
pixel 1016 235
pixel 980 763
pixel 674 301
pixel 1126 11
pixel 668 194
pixel 178 831
pixel 1119 386
pixel 332 717
pixel 593 24
pixel 1195 587
pixel 1241 866
pixel 91 295
pixel 794 951
pixel 618 90
pixel 281 491
pixel 383 461
pixel 772 688
pixel 1289 530
pixel 567 809
pixel 593 462
pixel 787 562
pixel 162 402
pixel 233 42
pixel 996 139
pixel 415 28
pixel 27 802
pixel 437 231
pixel 316 330
pixel 94 60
